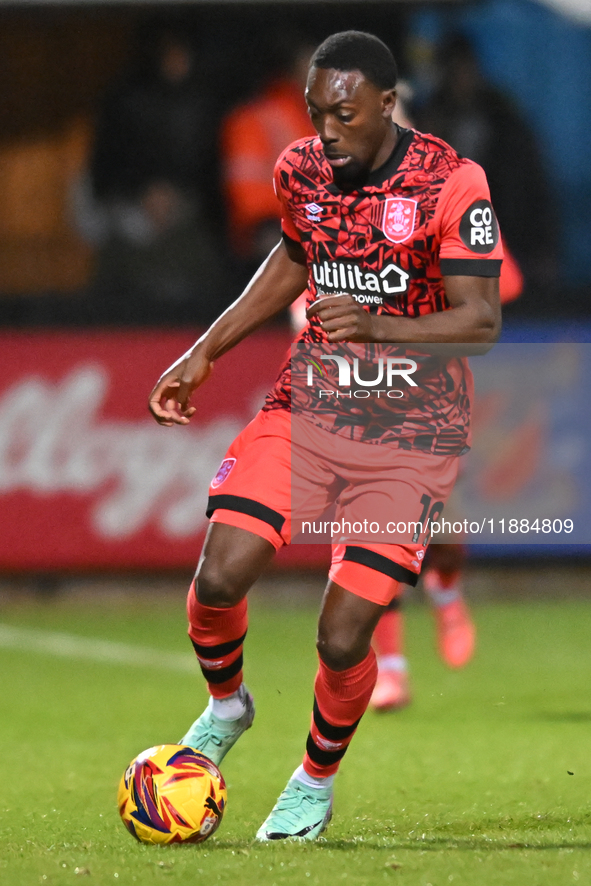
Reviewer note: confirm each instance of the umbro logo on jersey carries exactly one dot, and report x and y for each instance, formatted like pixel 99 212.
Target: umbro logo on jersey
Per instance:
pixel 313 212
pixel 366 287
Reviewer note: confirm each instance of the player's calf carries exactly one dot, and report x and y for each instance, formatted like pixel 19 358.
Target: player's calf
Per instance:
pixel 304 808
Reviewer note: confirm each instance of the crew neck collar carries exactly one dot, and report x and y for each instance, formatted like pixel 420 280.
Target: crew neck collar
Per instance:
pixel 380 175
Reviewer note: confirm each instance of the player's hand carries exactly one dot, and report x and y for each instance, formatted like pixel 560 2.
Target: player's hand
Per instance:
pixel 342 318
pixel 169 401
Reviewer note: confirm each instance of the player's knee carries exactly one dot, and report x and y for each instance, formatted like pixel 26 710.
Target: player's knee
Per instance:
pixel 215 587
pixel 339 651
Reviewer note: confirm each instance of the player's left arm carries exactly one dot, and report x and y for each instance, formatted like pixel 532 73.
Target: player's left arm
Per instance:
pixel 474 316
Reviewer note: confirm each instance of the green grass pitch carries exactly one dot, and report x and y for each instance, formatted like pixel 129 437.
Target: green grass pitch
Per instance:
pixel 485 779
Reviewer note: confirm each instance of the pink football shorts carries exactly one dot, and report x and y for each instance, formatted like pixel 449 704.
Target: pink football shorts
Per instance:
pixel 277 482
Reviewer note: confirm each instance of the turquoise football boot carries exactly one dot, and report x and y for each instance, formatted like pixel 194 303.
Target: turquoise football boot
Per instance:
pixel 300 813
pixel 212 736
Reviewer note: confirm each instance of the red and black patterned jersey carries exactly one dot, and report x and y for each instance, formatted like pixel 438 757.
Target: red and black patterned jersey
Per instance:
pixel 424 214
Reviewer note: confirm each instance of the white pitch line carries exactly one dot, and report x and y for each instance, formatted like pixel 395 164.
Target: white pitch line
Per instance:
pixel 103 651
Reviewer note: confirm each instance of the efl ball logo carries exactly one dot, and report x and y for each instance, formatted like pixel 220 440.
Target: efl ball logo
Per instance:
pixel 399 218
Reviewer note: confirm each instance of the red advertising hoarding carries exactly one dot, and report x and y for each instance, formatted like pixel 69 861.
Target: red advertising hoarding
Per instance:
pixel 87 479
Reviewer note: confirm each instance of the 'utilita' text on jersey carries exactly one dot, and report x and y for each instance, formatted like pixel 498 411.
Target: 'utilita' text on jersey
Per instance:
pixel 423 215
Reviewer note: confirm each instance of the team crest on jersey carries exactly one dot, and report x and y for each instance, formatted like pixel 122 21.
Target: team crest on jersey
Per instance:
pixel 399 218
pixel 223 472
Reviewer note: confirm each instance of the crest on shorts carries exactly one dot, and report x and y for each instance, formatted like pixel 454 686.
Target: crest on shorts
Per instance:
pixel 223 471
pixel 399 218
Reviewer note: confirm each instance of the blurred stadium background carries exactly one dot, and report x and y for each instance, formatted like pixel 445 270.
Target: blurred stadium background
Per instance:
pixel 114 255
pixel 100 225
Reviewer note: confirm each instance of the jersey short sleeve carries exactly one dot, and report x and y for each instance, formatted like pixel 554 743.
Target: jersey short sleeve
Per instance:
pixel 469 237
pixel 280 180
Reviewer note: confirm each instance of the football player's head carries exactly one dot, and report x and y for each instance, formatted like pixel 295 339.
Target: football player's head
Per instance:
pixel 351 93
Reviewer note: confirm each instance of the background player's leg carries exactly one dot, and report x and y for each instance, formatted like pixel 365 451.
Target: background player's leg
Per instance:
pixel 231 561
pixel 344 682
pixel 456 632
pixel 392 690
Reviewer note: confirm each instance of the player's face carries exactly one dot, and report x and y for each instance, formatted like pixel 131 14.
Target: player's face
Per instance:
pixel 353 119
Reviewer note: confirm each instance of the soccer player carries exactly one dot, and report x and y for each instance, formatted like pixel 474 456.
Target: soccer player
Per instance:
pixel 403 212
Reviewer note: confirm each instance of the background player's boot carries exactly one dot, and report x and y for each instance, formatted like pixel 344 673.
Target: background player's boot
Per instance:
pixel 456 633
pixel 300 813
pixel 391 692
pixel 214 736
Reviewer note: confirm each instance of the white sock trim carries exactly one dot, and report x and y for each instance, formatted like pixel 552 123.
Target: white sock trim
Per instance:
pixel 443 598
pixel 311 781
pixel 396 663
pixel 230 708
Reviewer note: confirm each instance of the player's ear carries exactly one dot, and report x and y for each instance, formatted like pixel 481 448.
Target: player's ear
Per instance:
pixel 388 102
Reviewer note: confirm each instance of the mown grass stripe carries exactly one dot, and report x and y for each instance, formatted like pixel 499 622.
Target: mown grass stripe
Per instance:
pixel 91 649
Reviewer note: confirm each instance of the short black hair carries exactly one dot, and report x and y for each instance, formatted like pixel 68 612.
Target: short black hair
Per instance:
pixel 358 51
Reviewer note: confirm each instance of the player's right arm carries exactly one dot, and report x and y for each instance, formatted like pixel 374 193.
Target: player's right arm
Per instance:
pixel 277 283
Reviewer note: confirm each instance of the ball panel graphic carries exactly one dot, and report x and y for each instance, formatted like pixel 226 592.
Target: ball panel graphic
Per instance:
pixel 171 794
